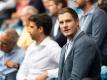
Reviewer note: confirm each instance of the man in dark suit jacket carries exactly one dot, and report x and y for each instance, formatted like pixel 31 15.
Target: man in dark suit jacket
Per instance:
pixel 53 8
pixel 94 23
pixel 80 57
pixel 59 37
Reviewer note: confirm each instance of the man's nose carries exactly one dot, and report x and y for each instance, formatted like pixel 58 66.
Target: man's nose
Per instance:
pixel 65 24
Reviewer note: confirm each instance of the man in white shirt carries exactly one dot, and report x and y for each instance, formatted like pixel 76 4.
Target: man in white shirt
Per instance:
pixel 42 57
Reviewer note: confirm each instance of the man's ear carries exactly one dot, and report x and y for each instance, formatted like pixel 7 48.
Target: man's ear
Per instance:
pixel 77 22
pixel 41 29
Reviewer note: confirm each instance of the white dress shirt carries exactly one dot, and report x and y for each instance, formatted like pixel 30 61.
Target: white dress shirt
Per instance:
pixel 40 58
pixel 56 27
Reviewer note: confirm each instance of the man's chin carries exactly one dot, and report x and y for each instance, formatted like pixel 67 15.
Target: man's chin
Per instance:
pixel 76 6
pixel 66 35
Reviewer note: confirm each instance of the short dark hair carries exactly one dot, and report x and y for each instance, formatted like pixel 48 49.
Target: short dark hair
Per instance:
pixel 63 2
pixel 69 10
pixel 42 20
pixel 93 1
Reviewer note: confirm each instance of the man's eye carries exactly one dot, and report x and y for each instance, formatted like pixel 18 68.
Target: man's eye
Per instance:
pixel 68 20
pixel 31 27
pixel 61 22
pixel 3 43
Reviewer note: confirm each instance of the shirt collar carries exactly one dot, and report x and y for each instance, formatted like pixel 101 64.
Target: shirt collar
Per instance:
pixel 45 41
pixel 71 40
pixel 43 44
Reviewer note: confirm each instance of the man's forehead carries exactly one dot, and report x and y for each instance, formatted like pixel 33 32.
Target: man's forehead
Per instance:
pixel 4 37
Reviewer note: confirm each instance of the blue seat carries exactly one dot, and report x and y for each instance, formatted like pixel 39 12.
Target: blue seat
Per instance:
pixel 104 73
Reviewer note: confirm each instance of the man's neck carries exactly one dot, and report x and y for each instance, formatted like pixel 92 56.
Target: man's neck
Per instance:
pixel 40 39
pixel 73 35
pixel 87 8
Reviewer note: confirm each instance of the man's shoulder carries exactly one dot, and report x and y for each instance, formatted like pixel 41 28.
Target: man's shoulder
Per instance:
pixel 19 50
pixel 52 43
pixel 84 39
pixel 99 12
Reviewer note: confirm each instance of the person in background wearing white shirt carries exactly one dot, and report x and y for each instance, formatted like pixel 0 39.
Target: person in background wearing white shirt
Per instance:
pixel 6 4
pixel 42 56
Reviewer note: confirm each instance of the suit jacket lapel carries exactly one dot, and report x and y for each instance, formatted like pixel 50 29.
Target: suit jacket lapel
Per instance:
pixel 61 63
pixel 62 57
pixel 76 38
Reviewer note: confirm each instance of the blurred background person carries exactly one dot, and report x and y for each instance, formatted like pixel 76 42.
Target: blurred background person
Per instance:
pixel 94 23
pixel 6 8
pixel 6 4
pixel 38 5
pixel 53 8
pixel 12 22
pixel 103 4
pixel 13 55
pixel 71 4
pixel 45 4
pixel 25 39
